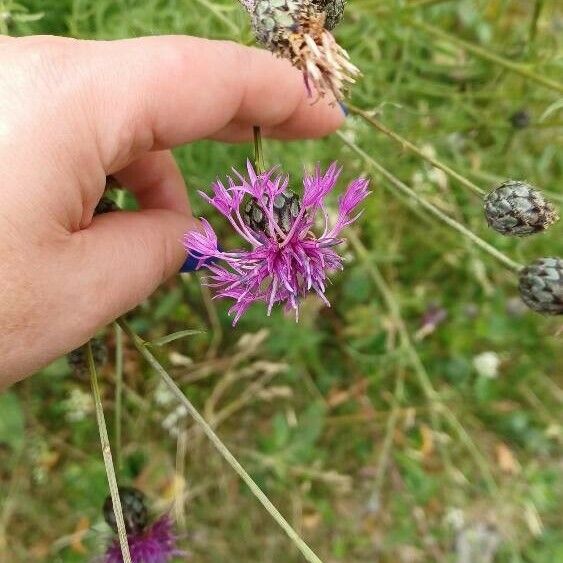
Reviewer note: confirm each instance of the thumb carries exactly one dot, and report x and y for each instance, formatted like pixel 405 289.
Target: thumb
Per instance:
pixel 122 257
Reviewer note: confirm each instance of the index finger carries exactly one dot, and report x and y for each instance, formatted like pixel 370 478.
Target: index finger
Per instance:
pixel 159 92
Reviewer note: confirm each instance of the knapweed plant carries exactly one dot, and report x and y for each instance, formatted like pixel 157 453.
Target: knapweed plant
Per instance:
pixel 292 235
pixel 150 541
pixel 299 30
pixel 286 259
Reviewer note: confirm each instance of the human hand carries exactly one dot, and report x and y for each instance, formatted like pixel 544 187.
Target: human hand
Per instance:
pixel 72 112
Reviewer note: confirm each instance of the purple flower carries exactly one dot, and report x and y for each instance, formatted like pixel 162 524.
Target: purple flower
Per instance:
pixel 155 544
pixel 286 259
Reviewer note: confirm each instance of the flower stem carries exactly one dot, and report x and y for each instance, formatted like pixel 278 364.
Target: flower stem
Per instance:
pixel 538 8
pixel 108 461
pixel 404 189
pixel 413 148
pixel 118 393
pixel 139 343
pixel 258 151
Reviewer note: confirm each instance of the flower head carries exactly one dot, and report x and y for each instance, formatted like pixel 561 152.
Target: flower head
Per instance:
pixel 298 30
pixel 155 544
pixel 517 209
pixel 541 285
pixel 286 259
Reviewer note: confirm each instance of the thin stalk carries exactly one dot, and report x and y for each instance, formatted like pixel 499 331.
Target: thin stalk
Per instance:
pixel 417 4
pixel 488 56
pixel 381 469
pixel 403 188
pixel 221 448
pixel 118 392
pixel 385 9
pixel 538 8
pixel 108 461
pixel 258 150
pixel 413 148
pixel 437 407
pixel 215 10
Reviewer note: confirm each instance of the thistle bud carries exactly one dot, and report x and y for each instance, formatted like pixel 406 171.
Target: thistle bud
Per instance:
pixel 134 508
pixel 154 542
pixel 520 119
pixel 112 183
pixel 78 359
pixel 296 30
pixel 517 209
pixel 541 286
pixel 105 205
pixel 333 9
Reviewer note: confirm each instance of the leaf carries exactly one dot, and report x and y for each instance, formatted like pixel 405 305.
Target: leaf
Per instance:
pixel 25 18
pixel 174 336
pixel 12 426
pixel 305 435
pixel 555 106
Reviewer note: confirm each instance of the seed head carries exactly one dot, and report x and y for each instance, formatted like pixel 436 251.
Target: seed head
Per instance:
pixel 520 119
pixel 112 183
pixel 105 205
pixel 541 286
pixel 517 209
pixel 135 512
pixel 78 359
pixel 148 543
pixel 333 9
pixel 285 209
pixel 296 30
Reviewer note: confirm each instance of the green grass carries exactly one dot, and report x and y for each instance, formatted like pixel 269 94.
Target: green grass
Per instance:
pixel 370 439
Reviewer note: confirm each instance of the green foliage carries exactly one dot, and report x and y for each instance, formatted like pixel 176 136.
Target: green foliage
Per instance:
pixel 11 421
pixel 344 438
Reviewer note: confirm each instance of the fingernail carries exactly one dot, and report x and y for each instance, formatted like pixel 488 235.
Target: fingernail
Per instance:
pixel 192 261
pixel 190 265
pixel 344 108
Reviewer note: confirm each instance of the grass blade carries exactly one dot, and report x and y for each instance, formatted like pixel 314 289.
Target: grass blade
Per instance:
pixel 174 336
pixel 108 461
pixel 221 448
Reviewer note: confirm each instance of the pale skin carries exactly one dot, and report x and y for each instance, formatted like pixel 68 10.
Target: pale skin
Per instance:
pixel 73 112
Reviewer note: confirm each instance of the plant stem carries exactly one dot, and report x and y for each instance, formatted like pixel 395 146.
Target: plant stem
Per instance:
pixel 403 188
pixel 538 7
pixel 118 392
pixel 216 441
pixel 258 151
pixel 437 406
pixel 413 148
pixel 106 453
pixel 488 56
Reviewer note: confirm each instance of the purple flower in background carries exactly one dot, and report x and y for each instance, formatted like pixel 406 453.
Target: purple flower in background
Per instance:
pixel 286 259
pixel 154 544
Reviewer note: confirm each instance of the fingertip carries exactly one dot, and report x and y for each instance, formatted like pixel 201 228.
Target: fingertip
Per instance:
pixel 310 120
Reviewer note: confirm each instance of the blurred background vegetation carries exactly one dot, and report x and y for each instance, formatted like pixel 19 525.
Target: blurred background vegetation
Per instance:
pixel 419 418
